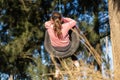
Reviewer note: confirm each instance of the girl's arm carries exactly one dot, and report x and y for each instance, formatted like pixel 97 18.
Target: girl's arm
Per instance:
pixel 68 22
pixel 67 25
pixel 66 19
pixel 48 24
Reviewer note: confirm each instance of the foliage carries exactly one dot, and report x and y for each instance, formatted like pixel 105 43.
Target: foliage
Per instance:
pixel 22 31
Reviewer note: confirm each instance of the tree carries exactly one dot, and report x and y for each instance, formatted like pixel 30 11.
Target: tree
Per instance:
pixel 20 35
pixel 22 31
pixel 114 18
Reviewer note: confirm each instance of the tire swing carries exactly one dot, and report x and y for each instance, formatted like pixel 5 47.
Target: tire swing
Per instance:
pixel 74 38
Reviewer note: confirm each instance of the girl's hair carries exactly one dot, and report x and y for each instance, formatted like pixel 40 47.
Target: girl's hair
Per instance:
pixel 56 17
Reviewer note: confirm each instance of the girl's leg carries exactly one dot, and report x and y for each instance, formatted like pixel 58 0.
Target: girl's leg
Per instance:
pixel 75 61
pixel 57 66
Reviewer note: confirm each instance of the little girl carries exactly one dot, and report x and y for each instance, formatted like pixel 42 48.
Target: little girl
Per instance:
pixel 58 28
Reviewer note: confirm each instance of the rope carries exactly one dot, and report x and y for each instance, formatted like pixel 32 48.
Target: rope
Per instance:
pixel 90 48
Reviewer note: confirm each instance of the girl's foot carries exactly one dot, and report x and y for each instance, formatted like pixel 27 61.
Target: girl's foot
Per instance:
pixel 57 73
pixel 77 64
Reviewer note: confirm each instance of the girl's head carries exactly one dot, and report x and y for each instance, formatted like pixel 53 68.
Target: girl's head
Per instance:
pixel 56 17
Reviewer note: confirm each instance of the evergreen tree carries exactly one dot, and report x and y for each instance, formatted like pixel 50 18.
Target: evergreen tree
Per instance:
pixel 22 32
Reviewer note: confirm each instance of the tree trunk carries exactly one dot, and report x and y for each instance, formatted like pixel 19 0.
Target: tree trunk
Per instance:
pixel 114 19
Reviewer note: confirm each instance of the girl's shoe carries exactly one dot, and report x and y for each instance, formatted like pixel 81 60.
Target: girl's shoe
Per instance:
pixel 77 64
pixel 57 73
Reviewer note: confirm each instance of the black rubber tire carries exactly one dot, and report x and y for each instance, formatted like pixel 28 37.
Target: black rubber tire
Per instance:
pixel 74 45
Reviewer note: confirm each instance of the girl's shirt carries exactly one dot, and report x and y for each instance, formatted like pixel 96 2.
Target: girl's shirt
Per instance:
pixel 66 26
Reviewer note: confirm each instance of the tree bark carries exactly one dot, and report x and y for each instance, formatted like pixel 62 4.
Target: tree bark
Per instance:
pixel 114 18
